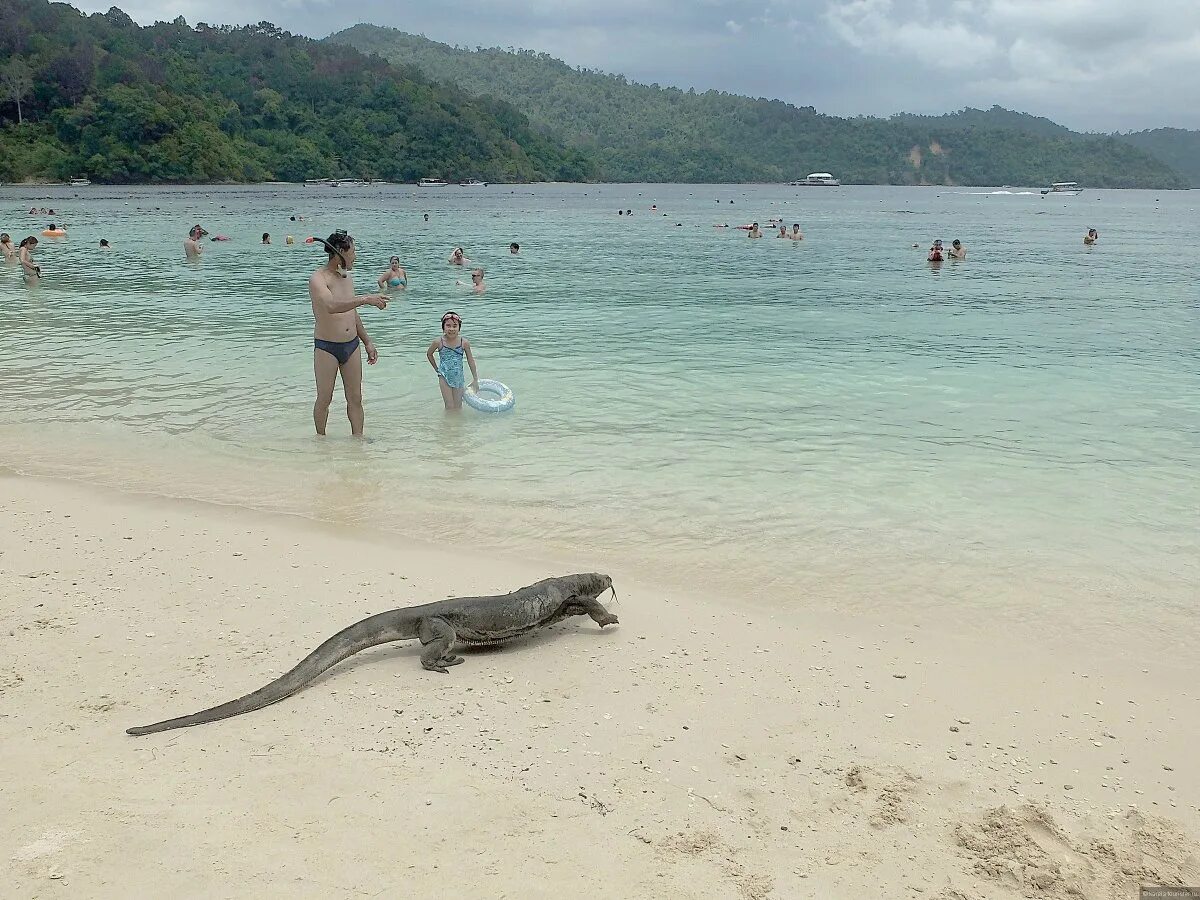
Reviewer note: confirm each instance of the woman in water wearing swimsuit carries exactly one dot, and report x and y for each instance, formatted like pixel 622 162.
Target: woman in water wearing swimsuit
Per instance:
pixel 394 277
pixel 450 349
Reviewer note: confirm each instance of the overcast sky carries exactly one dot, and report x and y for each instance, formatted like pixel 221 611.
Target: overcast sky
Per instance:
pixel 1100 65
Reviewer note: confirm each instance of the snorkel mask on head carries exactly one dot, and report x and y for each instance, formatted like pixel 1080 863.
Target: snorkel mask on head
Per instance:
pixel 451 317
pixel 337 242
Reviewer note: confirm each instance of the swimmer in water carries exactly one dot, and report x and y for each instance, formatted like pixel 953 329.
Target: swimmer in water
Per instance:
pixel 957 250
pixel 192 247
pixel 457 258
pixel 7 248
pixel 754 232
pixel 514 248
pixel 796 235
pixel 266 238
pixel 104 244
pixel 476 281
pixel 935 252
pixel 1091 237
pixel 782 232
pixel 33 272
pixel 394 277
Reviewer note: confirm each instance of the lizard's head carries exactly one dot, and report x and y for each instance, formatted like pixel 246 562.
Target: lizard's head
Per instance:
pixel 589 585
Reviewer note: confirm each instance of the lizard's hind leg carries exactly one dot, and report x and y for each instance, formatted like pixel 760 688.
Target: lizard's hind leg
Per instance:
pixel 437 637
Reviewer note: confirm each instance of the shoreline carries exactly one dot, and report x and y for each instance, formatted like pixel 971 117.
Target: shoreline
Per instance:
pixel 700 749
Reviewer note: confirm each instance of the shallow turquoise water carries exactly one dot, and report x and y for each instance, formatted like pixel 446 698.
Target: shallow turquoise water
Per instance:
pixel 831 422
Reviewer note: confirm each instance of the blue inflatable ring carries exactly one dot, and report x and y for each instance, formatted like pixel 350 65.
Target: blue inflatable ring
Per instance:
pixel 504 397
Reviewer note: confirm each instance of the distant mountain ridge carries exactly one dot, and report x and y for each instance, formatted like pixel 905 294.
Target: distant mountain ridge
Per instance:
pixel 1177 147
pixel 638 132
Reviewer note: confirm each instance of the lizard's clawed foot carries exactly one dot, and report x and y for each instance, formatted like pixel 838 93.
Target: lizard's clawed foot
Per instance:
pixel 607 619
pixel 439 665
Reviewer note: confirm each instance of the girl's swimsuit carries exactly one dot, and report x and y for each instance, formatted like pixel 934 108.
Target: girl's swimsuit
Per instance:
pixel 450 364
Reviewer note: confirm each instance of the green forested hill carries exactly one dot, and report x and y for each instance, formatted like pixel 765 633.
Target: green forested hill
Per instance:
pixel 1176 147
pixel 101 96
pixel 995 118
pixel 646 133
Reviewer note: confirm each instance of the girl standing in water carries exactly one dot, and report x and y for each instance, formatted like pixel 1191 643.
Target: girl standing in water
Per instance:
pixel 32 271
pixel 450 350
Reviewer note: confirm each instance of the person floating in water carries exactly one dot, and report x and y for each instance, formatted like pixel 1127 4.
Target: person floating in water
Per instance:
pixel 104 244
pixel 394 277
pixel 957 250
pixel 450 350
pixel 338 332
pixel 457 258
pixel 1091 237
pixel 936 254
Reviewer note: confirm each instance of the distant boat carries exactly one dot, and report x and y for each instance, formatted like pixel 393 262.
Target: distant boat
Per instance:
pixel 82 181
pixel 817 179
pixel 432 182
pixel 471 182
pixel 1071 188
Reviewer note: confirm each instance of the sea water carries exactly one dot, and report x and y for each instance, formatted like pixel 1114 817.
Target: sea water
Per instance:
pixel 832 422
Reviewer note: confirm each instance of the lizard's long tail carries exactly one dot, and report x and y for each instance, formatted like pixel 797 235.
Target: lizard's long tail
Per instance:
pixel 377 629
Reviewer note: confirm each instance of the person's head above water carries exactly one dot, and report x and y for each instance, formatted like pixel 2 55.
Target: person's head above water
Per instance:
pixel 956 243
pixel 341 245
pixel 514 247
pixel 477 274
pixel 104 242
pixel 5 239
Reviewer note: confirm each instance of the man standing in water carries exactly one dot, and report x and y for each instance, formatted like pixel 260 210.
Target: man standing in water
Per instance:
pixel 339 332
pixel 192 247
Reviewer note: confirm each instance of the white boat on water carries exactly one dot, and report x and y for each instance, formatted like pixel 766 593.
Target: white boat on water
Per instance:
pixel 432 182
pixel 817 179
pixel 472 182
pixel 80 182
pixel 1069 188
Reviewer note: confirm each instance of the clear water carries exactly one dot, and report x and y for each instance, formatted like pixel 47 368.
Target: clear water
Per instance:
pixel 832 422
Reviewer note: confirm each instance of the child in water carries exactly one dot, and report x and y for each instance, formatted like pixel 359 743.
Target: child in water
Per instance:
pixel 32 270
pixel 450 349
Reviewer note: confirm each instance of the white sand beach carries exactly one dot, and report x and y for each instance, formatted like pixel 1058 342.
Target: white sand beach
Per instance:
pixel 706 747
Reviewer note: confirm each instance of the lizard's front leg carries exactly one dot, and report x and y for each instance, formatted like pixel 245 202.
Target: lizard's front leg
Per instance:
pixel 437 637
pixel 596 610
